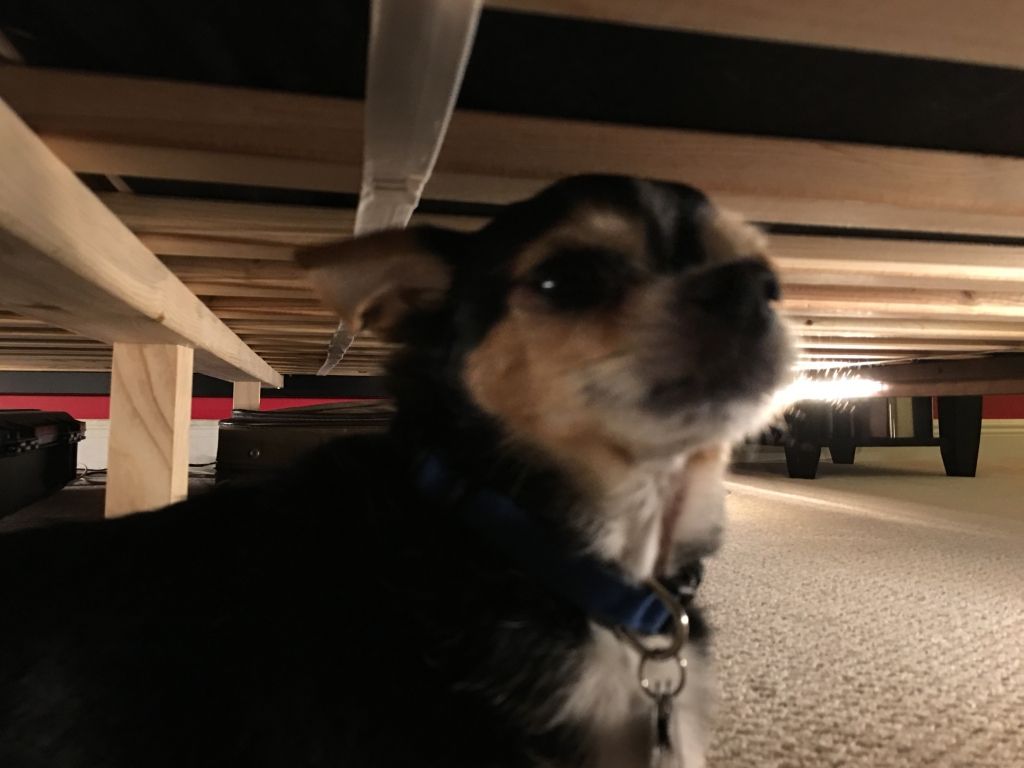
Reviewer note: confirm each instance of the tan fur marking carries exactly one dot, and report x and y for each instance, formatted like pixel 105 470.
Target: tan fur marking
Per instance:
pixel 527 372
pixel 586 226
pixel 530 370
pixel 726 236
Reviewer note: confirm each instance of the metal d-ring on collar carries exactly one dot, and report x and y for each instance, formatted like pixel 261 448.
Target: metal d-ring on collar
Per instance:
pixel 663 689
pixel 680 634
pixel 679 626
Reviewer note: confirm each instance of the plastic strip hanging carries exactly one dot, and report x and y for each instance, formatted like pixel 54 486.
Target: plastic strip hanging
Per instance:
pixel 418 54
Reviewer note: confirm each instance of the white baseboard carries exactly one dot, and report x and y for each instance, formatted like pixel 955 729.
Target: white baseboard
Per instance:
pixel 92 452
pixel 1002 427
pixel 1005 427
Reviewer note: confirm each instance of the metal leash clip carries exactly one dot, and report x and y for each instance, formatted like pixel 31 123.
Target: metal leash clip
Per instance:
pixel 662 676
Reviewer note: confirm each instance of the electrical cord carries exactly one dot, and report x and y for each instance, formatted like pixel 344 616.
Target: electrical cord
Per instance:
pixel 91 477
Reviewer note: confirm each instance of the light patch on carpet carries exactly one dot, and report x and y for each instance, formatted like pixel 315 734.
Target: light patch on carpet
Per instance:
pixel 854 633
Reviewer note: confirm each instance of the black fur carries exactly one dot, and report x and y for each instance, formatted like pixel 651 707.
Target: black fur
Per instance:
pixel 315 621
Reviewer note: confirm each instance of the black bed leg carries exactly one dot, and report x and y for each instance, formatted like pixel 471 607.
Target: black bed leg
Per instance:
pixel 960 434
pixel 802 460
pixel 842 453
pixel 842 448
pixel 810 427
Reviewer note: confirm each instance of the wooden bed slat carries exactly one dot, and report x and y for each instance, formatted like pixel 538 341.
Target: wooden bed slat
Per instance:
pixel 980 32
pixel 67 260
pixel 150 128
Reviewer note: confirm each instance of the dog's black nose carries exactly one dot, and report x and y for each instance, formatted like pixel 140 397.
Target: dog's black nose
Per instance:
pixel 738 292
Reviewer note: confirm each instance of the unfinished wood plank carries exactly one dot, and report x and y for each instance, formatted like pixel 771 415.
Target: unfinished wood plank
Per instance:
pixel 850 356
pixel 245 396
pixel 999 374
pixel 240 288
pixel 870 328
pixel 63 363
pixel 239 308
pixel 498 158
pixel 172 226
pixel 137 127
pixel 260 222
pixel 861 214
pixel 309 359
pixel 36 334
pixel 257 222
pixel 51 347
pixel 216 248
pixel 150 408
pixel 67 260
pixel 812 260
pixel 150 128
pixel 57 354
pixel 93 155
pixel 299 325
pixel 10 318
pixel 981 32
pixel 254 272
pixel 203 119
pixel 908 303
pixel 909 346
pixel 302 343
pixel 163 222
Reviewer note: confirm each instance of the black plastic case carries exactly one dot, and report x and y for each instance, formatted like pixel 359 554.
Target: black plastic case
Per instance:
pixel 38 455
pixel 255 443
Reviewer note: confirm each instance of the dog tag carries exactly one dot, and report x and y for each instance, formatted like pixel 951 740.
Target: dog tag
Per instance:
pixel 663 749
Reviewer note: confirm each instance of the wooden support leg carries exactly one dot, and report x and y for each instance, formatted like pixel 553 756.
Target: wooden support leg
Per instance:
pixel 960 434
pixel 150 408
pixel 246 396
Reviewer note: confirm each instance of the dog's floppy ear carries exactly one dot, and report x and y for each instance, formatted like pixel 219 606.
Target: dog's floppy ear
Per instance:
pixel 376 280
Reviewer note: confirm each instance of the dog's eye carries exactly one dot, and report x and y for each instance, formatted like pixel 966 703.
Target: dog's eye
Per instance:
pixel 582 279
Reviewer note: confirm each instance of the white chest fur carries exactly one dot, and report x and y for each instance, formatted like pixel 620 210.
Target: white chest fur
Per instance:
pixel 662 511
pixel 618 716
pixel 648 525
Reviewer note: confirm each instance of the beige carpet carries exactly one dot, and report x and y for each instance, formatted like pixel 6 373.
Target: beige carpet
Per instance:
pixel 874 616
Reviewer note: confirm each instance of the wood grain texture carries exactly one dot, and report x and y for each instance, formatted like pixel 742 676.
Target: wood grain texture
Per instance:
pixel 173 130
pixel 871 328
pixel 250 222
pixel 998 374
pixel 150 408
pixel 907 346
pixel 245 396
pixel 222 220
pixel 866 262
pixel 980 32
pixel 908 303
pixel 237 256
pixel 215 248
pixel 69 261
pixel 53 363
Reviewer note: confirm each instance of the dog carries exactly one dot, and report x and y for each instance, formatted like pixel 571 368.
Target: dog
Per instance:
pixel 506 578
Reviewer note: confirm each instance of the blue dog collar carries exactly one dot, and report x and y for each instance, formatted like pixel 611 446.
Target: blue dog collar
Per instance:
pixel 591 584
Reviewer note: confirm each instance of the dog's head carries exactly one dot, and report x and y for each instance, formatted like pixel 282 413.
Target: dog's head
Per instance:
pixel 605 321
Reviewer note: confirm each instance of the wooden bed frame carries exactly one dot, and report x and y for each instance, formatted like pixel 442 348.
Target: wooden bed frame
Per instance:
pixel 153 288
